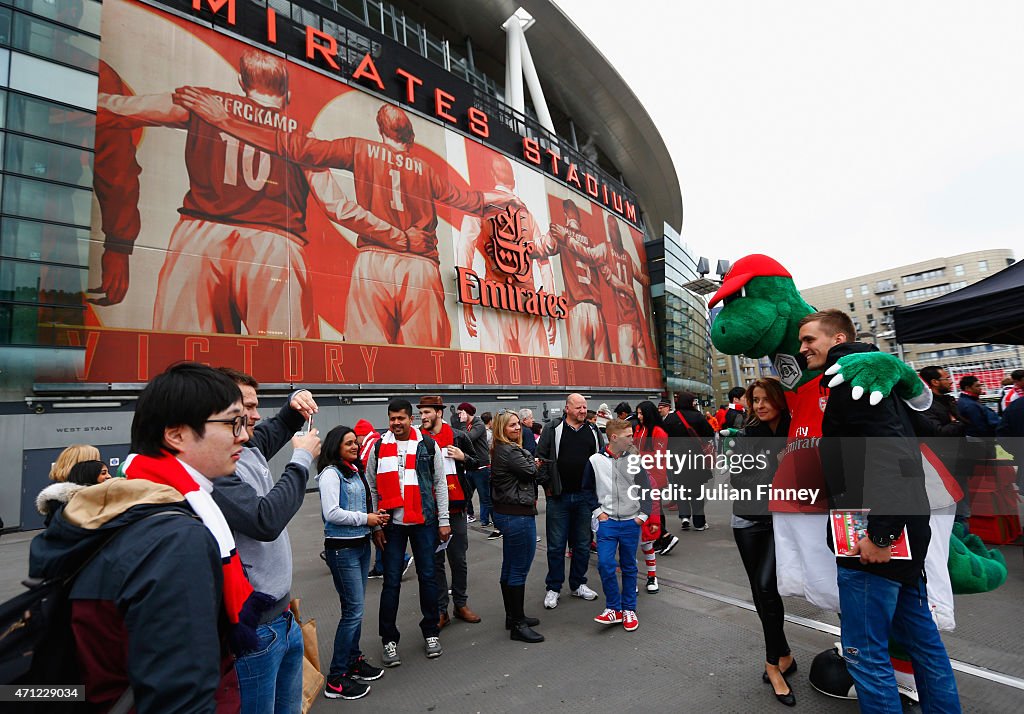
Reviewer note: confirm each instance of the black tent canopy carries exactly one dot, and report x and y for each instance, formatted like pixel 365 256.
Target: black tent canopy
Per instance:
pixel 990 310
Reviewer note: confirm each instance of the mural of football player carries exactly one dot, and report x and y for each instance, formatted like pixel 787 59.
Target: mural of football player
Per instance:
pixel 502 330
pixel 620 270
pixel 588 338
pixel 235 257
pixel 396 296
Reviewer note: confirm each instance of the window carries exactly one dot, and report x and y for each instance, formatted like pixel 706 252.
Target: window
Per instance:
pixel 42 159
pixel 38 117
pixel 849 293
pixel 853 306
pixel 29 281
pixel 47 201
pixel 926 275
pixel 86 17
pixel 982 266
pixel 957 285
pixel 867 304
pixel 932 291
pixel 63 84
pixel 32 240
pixel 864 290
pixel 958 270
pixel 54 42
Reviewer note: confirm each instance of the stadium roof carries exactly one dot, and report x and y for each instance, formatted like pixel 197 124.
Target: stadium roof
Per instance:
pixel 578 80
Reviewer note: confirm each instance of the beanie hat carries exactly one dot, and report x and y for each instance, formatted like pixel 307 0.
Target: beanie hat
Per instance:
pixel 468 408
pixel 362 428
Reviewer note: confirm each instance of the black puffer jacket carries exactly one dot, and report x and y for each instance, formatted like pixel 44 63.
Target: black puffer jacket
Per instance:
pixel 513 485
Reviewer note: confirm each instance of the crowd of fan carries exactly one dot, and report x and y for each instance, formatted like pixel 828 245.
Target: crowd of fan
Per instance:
pixel 224 638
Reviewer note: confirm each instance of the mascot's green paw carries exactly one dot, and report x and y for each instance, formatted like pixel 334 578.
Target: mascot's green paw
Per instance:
pixel 876 373
pixel 973 568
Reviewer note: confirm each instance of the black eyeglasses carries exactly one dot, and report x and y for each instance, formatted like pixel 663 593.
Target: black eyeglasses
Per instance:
pixel 238 423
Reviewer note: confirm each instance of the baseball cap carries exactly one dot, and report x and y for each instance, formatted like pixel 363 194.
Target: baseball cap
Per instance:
pixel 745 269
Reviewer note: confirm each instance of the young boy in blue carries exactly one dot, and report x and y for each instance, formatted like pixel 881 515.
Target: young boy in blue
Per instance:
pixel 621 503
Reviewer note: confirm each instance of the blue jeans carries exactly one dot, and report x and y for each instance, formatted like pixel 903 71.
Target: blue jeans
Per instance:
pixel 481 479
pixel 348 568
pixel 624 537
pixel 423 540
pixel 518 546
pixel 270 679
pixel 567 519
pixel 873 608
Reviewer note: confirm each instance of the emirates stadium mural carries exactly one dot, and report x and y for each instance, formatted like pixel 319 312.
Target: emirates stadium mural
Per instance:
pixel 250 210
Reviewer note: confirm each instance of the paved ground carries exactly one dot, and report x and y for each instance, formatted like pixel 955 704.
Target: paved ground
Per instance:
pixel 696 649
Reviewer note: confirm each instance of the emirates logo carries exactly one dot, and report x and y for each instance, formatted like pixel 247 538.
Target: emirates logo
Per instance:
pixel 508 246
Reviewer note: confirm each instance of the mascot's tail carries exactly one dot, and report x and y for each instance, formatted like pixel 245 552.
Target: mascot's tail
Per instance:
pixel 973 568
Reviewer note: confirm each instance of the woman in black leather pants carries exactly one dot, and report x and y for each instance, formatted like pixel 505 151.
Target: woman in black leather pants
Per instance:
pixel 764 437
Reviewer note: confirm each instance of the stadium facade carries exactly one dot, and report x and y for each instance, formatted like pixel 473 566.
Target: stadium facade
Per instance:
pixel 365 198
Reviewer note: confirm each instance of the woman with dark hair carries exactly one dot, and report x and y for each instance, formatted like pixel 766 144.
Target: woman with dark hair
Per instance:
pixel 514 501
pixel 650 437
pixel 763 437
pixel 88 473
pixel 80 475
pixel 347 510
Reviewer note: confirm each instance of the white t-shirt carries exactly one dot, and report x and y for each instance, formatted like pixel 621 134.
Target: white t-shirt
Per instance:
pixel 398 513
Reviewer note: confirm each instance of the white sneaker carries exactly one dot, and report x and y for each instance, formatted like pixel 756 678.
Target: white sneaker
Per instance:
pixel 584 592
pixel 550 600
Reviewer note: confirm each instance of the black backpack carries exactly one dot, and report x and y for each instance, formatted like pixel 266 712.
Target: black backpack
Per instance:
pixel 37 646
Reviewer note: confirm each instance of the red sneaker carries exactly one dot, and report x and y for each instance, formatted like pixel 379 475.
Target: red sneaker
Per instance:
pixel 629 621
pixel 610 617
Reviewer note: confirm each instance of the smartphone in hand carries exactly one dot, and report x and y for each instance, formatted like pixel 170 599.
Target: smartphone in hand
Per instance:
pixel 306 427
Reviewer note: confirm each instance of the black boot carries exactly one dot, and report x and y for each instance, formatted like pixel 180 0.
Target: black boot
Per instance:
pixel 520 630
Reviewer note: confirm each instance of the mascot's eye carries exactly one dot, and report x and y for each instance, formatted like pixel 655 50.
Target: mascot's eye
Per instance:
pixel 736 296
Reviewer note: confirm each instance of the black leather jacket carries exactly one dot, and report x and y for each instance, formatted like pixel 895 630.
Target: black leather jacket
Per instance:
pixel 513 486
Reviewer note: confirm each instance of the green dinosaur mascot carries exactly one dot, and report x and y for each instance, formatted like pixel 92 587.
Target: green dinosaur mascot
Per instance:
pixel 760 318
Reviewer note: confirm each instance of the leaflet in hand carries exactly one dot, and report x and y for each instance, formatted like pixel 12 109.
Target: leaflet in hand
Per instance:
pixel 848 527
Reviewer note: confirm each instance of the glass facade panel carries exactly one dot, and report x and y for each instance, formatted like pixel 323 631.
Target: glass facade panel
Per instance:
pixel 47 201
pixel 32 240
pixel 41 159
pixel 25 281
pixel 31 325
pixel 52 41
pixel 83 15
pixel 38 117
pixel 30 74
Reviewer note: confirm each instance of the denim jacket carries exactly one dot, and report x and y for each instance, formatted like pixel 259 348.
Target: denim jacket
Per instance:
pixel 342 503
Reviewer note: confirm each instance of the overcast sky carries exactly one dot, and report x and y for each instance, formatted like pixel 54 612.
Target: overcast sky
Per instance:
pixel 839 138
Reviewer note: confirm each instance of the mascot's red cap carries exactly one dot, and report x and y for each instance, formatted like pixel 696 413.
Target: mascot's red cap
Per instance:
pixel 743 270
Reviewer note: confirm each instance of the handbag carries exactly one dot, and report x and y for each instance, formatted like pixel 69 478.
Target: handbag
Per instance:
pixel 312 677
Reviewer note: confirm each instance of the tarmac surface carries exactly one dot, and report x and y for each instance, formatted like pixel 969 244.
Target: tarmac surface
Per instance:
pixel 698 648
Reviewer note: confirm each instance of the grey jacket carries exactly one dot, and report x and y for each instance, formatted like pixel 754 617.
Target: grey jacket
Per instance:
pixel 478 435
pixel 258 510
pixel 612 490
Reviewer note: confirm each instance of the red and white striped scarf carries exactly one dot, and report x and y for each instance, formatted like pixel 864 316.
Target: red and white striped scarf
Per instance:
pixel 242 605
pixel 444 439
pixel 397 484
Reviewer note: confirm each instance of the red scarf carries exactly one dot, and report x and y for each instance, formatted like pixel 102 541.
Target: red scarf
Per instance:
pixel 397 484
pixel 242 605
pixel 444 439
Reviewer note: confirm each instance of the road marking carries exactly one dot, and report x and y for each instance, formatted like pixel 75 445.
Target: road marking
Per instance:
pixel 965 667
